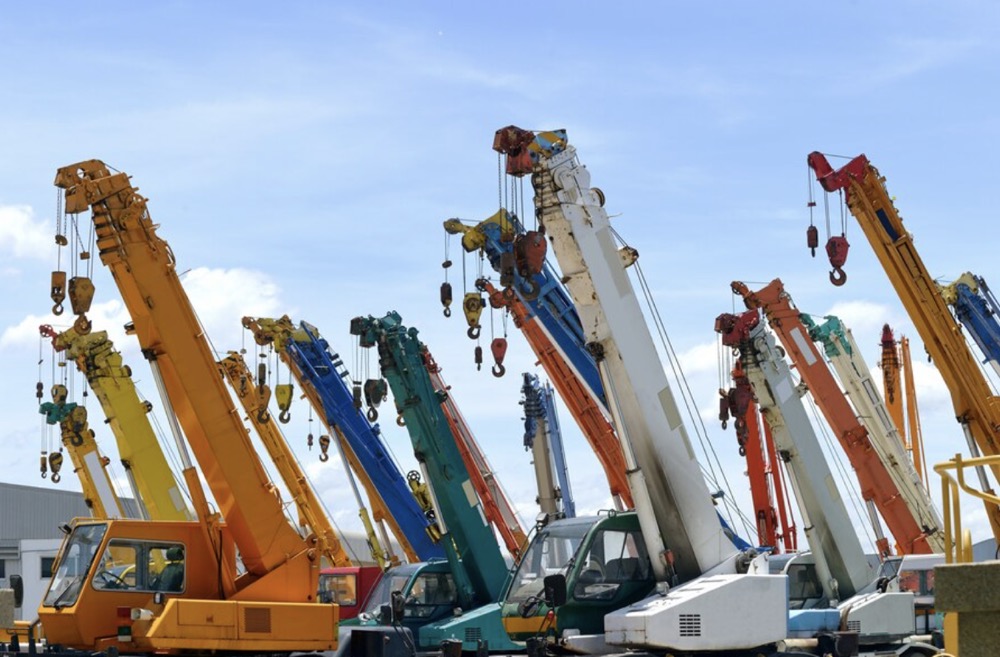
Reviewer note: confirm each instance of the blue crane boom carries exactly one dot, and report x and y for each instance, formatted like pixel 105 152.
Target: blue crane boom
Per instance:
pixel 322 372
pixel 540 415
pixel 976 308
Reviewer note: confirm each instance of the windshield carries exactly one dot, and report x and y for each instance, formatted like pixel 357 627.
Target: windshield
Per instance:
pixel 381 594
pixel 74 562
pixel 552 551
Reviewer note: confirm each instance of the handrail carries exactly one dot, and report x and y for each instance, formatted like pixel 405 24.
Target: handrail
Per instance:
pixel 958 543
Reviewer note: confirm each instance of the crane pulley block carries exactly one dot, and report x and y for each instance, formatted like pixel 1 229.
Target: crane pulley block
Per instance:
pixel 499 349
pixel 446 298
pixel 376 391
pixel 530 249
pixel 55 465
pixel 283 396
pixel 508 267
pixel 324 448
pixel 58 291
pixel 472 306
pixel 836 248
pixel 81 294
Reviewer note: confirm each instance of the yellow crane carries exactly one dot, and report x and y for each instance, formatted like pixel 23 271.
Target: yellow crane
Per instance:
pixel 157 492
pixel 976 408
pixel 204 599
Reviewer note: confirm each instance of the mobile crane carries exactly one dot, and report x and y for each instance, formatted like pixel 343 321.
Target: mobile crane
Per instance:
pixel 854 375
pixel 833 587
pixel 90 466
pixel 497 507
pixel 323 378
pixel 157 493
pixel 543 437
pixel 459 603
pixel 200 601
pixel 678 537
pixel 975 405
pixel 552 328
pixel 886 485
pixel 897 378
pixel 773 519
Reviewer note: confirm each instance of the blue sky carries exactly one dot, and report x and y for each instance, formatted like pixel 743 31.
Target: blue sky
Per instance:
pixel 301 157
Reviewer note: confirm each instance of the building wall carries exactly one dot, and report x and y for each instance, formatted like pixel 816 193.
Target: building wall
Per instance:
pixel 33 551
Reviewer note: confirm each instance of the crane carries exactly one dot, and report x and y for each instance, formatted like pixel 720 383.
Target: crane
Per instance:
pixel 543 437
pixel 157 493
pixel 897 379
pixel 323 378
pixel 200 600
pixel 547 318
pixel 853 372
pixel 775 525
pixel 496 505
pixel 974 403
pixel 78 439
pixel 476 570
pixel 681 539
pixel 841 592
pixel 885 487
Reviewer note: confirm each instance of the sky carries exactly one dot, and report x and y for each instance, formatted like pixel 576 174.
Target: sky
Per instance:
pixel 301 158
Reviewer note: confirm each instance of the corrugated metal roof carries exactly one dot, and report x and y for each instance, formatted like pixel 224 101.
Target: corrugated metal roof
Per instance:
pixel 37 512
pixel 34 512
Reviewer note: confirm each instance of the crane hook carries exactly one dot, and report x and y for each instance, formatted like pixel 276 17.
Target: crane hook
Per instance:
pixel 372 414
pixel 499 349
pixel 400 420
pixel 263 416
pixel 284 416
pixel 530 288
pixel 474 331
pixel 479 358
pixel 324 445
pixel 838 277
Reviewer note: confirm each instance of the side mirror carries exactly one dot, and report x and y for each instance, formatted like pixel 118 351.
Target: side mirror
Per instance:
pixel 554 590
pixel 15 582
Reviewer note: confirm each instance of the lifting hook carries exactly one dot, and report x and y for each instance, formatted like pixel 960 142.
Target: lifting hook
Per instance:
pixel 372 413
pixel 479 357
pixel 263 416
pixel 324 446
pixel 58 291
pixel 499 349
pixel 400 420
pixel 446 298
pixel 836 249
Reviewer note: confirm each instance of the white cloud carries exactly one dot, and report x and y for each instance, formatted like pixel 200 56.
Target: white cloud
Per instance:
pixel 108 316
pixel 21 235
pixel 863 317
pixel 700 358
pixel 221 297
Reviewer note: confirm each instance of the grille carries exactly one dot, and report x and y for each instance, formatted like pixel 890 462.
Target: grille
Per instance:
pixel 690 624
pixel 854 626
pixel 257 619
pixel 473 634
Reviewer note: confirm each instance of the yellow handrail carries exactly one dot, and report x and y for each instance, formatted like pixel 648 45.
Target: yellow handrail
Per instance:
pixel 958 543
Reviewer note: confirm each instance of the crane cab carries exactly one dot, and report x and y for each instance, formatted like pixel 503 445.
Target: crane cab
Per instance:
pixel 606 566
pixel 157 586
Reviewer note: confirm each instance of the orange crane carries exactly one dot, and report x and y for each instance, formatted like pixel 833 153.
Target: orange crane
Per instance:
pixel 588 413
pixel 975 405
pixel 106 593
pixel 775 524
pixel 901 397
pixel 496 506
pixel 880 487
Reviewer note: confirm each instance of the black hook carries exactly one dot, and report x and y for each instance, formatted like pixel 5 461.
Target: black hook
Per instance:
pixel 838 277
pixel 284 416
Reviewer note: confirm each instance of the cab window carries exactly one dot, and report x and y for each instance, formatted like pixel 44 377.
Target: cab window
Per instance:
pixel 141 566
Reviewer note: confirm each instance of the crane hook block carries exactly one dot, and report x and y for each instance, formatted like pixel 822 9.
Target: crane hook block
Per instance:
pixel 58 293
pixel 836 249
pixel 324 447
pixel 508 268
pixel 446 298
pixel 309 442
pixel 499 349
pixel 479 357
pixel 81 294
pixel 283 395
pixel 812 239
pixel 530 251
pixel 472 306
pixel 44 465
pixel 356 395
pixel 55 465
